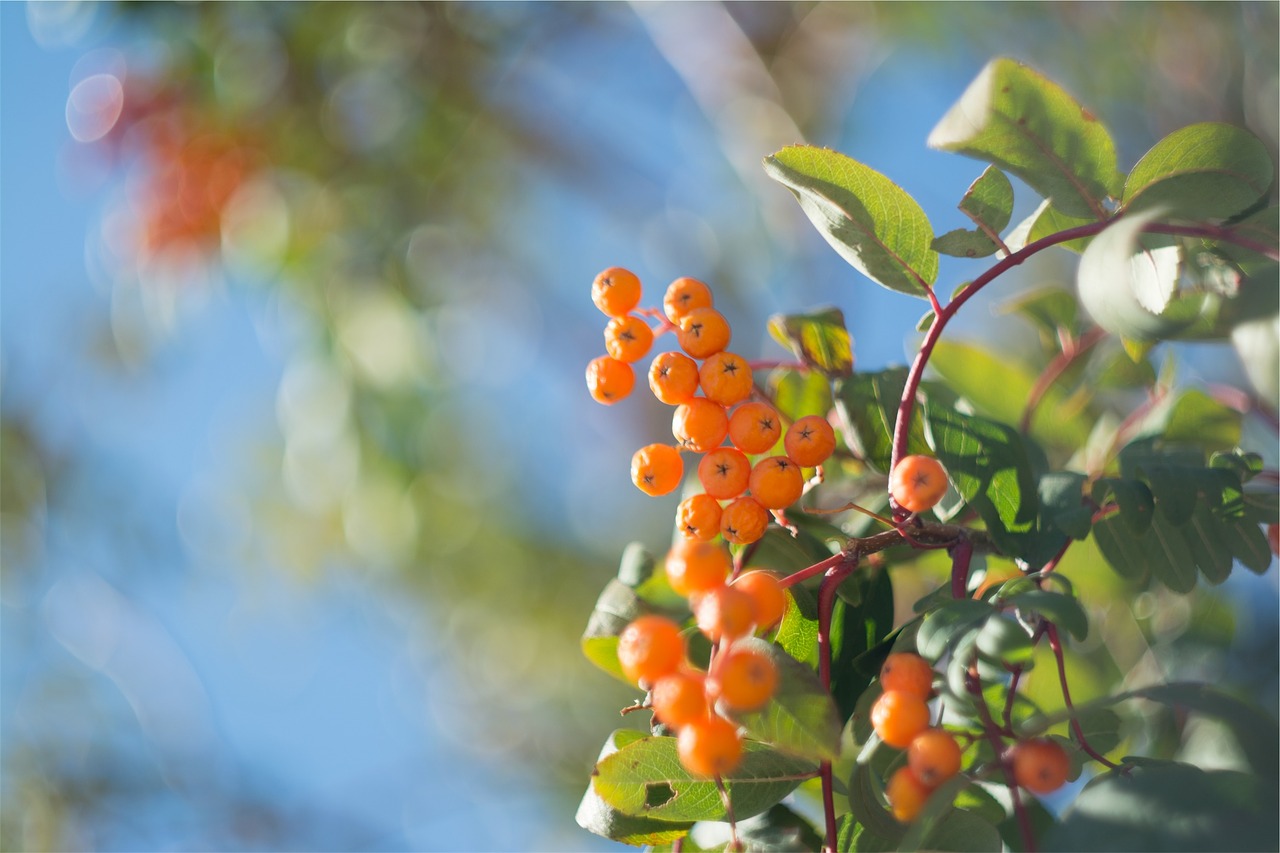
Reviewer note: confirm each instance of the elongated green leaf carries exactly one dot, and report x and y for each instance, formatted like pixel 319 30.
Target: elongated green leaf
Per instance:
pixel 867 806
pixel 778 830
pixel 1133 498
pixel 871 221
pixel 1016 119
pixel 1170 806
pixel 853 837
pixel 868 406
pixel 819 339
pixel 861 618
pixel 800 719
pixel 1062 501
pixel 999 386
pixel 596 815
pixel 645 778
pixel 1063 610
pixel 1204 171
pixel 1127 282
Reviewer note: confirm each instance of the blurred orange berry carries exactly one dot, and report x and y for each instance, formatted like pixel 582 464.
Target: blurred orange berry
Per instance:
pixel 918 482
pixel 767 593
pixel 709 747
pixel 649 648
pixel 694 567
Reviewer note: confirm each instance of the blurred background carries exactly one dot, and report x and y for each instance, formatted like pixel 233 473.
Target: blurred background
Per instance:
pixel 304 502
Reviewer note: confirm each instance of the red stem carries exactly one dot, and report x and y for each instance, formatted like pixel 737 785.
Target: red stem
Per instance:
pixel 1054 371
pixel 1055 644
pixel 961 554
pixel 826 606
pixel 995 735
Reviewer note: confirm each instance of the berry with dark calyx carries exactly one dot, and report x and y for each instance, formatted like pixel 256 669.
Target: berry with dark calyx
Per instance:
pixel 698 517
pixel 609 380
pixel 673 378
pixel 776 482
pixel 918 482
pixel 700 424
pixel 726 378
pixel 703 332
pixel 616 291
pixel 657 469
pixel 628 338
pixel 755 427
pixel 724 473
pixel 683 295
pixel 743 521
pixel 810 441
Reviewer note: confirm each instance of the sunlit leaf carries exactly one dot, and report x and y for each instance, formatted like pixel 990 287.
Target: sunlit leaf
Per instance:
pixel 1020 121
pixel 1204 171
pixel 871 221
pixel 868 405
pixel 819 339
pixel 596 815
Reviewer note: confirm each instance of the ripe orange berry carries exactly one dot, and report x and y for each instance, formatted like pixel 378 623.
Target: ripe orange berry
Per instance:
pixel 743 679
pixel 682 296
pixel 673 378
pixel 628 338
pixel 724 473
pixel 609 380
pixel 616 291
pixel 908 672
pixel 918 483
pixel 767 593
pixel 934 757
pixel 726 378
pixel 1040 765
pixel 810 440
pixel 744 521
pixel 649 648
pixel 657 469
pixel 724 613
pixel 897 717
pixel 680 698
pixel 755 427
pixel 694 567
pixel 709 747
pixel 776 482
pixel 700 424
pixel 906 794
pixel 698 517
pixel 703 332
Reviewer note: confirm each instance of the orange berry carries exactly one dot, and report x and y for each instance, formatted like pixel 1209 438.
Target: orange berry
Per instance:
pixel 810 440
pixel 709 747
pixel 1040 765
pixel 673 378
pixel 897 717
pixel 682 296
pixel 700 424
pixel 743 521
pixel 680 698
pixel 628 338
pixel 755 427
pixel 724 613
pixel 934 757
pixel 657 469
pixel 649 648
pixel 906 794
pixel 767 593
pixel 908 672
pixel 743 679
pixel 698 517
pixel 724 473
pixel 609 380
pixel 918 483
pixel 703 332
pixel 694 567
pixel 776 482
pixel 726 378
pixel 616 291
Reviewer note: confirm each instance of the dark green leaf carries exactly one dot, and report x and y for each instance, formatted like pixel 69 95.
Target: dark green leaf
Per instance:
pixel 645 778
pixel 801 718
pixel 779 830
pixel 867 806
pixel 1101 727
pixel 1255 731
pixel 1063 610
pixel 945 625
pixel 868 406
pixel 1170 806
pixel 1204 171
pixel 1134 499
pixel 861 618
pixel 1005 642
pixel 853 837
pixel 1016 119
pixel 819 339
pixel 871 221
pixel 1062 501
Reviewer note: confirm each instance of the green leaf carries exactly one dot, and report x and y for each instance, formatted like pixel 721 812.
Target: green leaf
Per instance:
pixel 866 804
pixel 1128 283
pixel 1018 120
pixel 871 221
pixel 1005 642
pixel 945 625
pixel 1047 308
pixel 1062 502
pixel 965 243
pixel 616 607
pixel 1169 806
pixel 861 618
pixel 868 406
pixel 1063 610
pixel 1101 728
pixel 1254 730
pixel 988 465
pixel 596 815
pixel 853 837
pixel 1132 497
pixel 819 339
pixel 798 632
pixel 645 778
pixel 1204 171
pixel 1050 221
pixel 801 718
pixel 797 393
pixel 779 830
pixel 999 386
pixel 1197 418
pixel 989 203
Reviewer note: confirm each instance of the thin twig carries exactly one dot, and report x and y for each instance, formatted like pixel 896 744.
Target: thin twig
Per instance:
pixel 1055 644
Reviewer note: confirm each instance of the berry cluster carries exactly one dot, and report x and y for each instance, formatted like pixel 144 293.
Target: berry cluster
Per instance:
pixel 694 703
pixel 742 481
pixel 900 718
